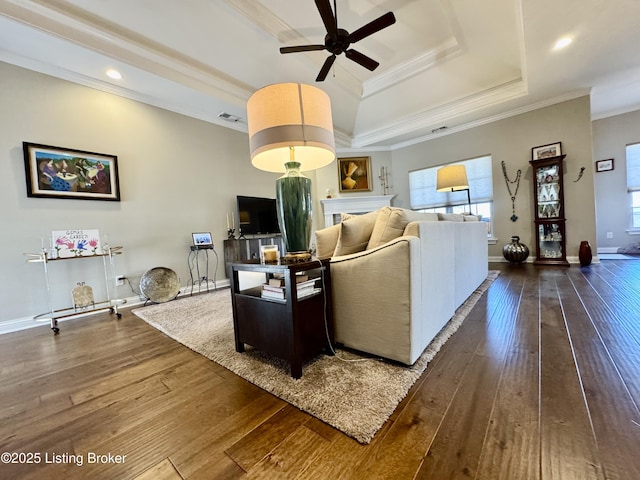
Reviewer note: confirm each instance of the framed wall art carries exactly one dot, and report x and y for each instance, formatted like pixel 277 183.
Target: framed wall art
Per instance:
pixel 355 174
pixel 546 151
pixel 604 165
pixel 56 172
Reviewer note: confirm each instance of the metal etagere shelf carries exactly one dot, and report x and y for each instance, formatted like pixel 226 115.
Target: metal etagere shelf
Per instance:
pixel 110 304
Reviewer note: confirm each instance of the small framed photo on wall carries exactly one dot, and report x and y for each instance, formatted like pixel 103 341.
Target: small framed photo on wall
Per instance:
pixel 604 165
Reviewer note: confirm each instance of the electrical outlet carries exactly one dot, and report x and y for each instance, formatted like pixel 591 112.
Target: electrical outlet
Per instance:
pixel 120 280
pixel 609 234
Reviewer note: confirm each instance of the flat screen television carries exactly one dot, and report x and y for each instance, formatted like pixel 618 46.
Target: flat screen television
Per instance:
pixel 257 215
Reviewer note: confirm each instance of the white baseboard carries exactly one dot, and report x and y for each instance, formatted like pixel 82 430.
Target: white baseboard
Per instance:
pixel 25 323
pixel 608 249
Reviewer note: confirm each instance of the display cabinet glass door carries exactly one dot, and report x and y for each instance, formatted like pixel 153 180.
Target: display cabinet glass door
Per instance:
pixel 548 191
pixel 550 240
pixel 549 211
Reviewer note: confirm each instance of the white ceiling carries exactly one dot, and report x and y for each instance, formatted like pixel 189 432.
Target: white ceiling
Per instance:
pixel 444 63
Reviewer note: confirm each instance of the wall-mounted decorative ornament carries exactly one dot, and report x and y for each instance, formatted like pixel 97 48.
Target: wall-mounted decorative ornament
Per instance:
pixel 579 175
pixel 513 194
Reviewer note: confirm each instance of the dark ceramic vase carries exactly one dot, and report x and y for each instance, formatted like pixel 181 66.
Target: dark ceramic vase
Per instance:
pixel 293 201
pixel 515 252
pixel 584 253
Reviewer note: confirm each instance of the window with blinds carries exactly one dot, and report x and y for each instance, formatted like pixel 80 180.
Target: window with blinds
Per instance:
pixel 422 186
pixel 633 182
pixel 423 196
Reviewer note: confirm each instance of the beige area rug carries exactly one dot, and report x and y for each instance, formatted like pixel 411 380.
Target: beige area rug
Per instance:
pixel 356 397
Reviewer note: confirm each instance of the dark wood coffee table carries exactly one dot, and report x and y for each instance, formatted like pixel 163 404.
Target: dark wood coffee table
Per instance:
pixel 294 329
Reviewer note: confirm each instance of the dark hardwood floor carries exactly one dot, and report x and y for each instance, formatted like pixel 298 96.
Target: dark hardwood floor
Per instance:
pixel 542 381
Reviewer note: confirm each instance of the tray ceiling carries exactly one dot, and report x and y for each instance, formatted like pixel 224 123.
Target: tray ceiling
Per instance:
pixel 445 63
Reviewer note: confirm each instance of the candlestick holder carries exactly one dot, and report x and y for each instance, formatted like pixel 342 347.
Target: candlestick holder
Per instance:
pixel 231 233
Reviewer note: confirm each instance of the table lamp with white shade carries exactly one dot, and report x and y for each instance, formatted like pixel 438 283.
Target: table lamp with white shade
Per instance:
pixel 291 131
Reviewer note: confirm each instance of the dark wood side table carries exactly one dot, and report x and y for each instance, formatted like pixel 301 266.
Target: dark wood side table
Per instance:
pixel 293 329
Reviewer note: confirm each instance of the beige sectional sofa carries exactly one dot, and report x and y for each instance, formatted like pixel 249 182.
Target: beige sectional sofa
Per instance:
pixel 398 277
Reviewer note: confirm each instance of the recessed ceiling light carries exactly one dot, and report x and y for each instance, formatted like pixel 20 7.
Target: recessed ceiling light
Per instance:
pixel 114 74
pixel 562 43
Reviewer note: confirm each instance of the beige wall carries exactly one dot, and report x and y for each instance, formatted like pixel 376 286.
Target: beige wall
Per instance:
pixel 511 140
pixel 177 175
pixel 610 137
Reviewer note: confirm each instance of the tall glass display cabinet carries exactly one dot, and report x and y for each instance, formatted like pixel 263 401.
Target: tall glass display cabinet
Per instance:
pixel 548 199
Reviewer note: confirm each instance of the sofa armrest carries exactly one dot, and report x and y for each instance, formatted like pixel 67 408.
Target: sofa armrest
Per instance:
pixel 372 297
pixel 392 300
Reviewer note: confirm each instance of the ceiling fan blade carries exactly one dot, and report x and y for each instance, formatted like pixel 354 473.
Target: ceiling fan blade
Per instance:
pixel 372 27
pixel 301 48
pixel 325 68
pixel 328 18
pixel 362 59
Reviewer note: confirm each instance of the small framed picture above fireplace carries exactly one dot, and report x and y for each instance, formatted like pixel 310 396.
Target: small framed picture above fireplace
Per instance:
pixel 355 174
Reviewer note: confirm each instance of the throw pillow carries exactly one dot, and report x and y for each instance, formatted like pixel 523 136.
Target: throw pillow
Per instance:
pixel 390 224
pixel 326 241
pixel 472 218
pixel 355 233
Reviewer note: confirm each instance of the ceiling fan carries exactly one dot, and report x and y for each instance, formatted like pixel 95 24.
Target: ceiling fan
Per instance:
pixel 338 40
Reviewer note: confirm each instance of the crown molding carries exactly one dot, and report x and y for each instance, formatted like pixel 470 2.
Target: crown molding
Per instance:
pixel 57 72
pixel 447 50
pixel 71 23
pixel 494 118
pixel 615 112
pixel 436 116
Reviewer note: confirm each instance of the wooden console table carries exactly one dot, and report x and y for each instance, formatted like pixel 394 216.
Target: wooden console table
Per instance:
pixel 293 329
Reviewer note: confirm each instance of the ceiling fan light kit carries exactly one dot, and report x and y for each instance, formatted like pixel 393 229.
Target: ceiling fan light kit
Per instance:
pixel 338 41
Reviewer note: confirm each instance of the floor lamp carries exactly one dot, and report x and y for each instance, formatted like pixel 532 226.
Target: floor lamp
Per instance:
pixel 453 178
pixel 291 131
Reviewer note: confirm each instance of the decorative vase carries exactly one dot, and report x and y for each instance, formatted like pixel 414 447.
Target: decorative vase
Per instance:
pixel 515 252
pixel 293 202
pixel 584 253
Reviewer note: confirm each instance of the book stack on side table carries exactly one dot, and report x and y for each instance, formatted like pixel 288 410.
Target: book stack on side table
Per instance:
pixel 275 288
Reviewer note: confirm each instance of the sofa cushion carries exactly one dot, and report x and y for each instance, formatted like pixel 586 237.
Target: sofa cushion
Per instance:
pixel 390 224
pixel 451 217
pixel 326 241
pixel 472 218
pixel 355 233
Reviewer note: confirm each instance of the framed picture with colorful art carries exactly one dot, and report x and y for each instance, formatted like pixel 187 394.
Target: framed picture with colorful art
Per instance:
pixel 56 172
pixel 355 174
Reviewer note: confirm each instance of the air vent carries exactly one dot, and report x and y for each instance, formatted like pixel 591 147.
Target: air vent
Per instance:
pixel 439 129
pixel 228 117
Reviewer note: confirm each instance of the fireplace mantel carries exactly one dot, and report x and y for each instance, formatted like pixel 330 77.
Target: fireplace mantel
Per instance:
pixel 355 205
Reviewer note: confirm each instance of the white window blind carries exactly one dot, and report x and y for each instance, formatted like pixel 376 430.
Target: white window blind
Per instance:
pixel 422 185
pixel 633 167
